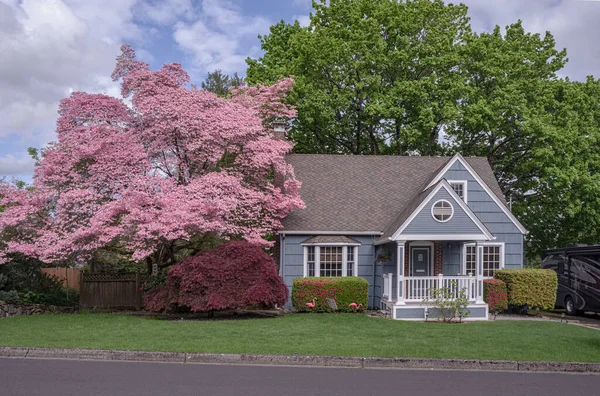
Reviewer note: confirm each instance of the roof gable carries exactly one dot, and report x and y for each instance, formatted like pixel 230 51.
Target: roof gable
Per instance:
pixel 464 224
pixel 458 164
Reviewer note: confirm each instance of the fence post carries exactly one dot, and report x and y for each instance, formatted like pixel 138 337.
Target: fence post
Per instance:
pixel 81 287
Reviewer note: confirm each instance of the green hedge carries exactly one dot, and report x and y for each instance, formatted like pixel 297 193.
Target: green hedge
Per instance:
pixel 344 291
pixel 534 288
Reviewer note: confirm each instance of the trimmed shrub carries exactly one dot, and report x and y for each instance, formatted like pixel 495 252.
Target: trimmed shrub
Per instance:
pixel 532 288
pixel 345 291
pixel 63 297
pixel 21 281
pixel 10 297
pixel 495 295
pixel 232 276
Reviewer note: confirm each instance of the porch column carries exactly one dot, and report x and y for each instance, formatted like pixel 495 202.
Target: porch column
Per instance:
pixel 400 265
pixel 479 273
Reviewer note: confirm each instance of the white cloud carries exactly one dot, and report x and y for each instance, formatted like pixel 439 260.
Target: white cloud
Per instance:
pixel 218 38
pixel 51 48
pixel 20 165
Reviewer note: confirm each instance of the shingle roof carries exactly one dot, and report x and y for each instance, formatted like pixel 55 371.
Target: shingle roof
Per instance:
pixel 330 239
pixel 345 193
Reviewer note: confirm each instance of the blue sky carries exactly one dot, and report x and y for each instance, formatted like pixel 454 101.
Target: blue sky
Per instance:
pixel 51 48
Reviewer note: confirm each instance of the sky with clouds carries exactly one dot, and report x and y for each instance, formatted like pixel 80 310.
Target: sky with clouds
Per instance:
pixel 50 48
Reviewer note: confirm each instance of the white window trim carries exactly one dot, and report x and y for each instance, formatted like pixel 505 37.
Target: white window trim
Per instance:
pixel 465 184
pixel 344 247
pixel 451 212
pixel 463 265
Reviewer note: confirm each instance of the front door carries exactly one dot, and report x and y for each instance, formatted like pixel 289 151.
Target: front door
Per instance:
pixel 420 261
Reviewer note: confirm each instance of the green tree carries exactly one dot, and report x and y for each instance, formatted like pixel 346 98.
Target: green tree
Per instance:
pixel 562 202
pixel 539 133
pixel 221 84
pixel 371 76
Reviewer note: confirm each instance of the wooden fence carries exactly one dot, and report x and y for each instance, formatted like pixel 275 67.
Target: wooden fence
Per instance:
pixel 111 291
pixel 68 276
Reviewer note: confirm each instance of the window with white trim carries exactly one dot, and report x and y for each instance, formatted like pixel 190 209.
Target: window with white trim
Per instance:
pixel 330 261
pixel 350 262
pixel 460 187
pixel 492 259
pixel 442 211
pixel 310 261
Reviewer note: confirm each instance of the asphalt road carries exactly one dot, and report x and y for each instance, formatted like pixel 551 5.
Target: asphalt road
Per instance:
pixel 33 377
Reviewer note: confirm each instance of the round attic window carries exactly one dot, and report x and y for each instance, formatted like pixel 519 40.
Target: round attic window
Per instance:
pixel 442 211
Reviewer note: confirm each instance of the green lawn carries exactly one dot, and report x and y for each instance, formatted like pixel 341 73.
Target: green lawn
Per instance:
pixel 309 334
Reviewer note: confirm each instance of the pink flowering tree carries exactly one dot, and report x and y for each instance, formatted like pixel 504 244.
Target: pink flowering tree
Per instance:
pixel 154 180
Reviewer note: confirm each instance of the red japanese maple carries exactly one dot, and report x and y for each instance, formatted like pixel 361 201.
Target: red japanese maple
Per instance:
pixel 150 177
pixel 234 275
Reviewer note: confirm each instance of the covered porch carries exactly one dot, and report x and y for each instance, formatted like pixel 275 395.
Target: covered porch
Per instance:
pixel 416 268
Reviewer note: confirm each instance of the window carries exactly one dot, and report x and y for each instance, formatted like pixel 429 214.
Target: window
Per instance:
pixel 470 260
pixel 350 262
pixel 460 187
pixel 493 259
pixel 330 261
pixel 310 260
pixel 442 211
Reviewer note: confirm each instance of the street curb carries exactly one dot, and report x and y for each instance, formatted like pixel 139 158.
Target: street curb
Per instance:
pixel 297 360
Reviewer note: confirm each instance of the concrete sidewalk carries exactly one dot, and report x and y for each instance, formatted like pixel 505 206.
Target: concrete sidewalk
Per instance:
pixel 297 360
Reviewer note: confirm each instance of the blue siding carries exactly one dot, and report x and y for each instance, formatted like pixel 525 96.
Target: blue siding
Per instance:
pixel 292 266
pixel 477 312
pixel 424 223
pixel 492 216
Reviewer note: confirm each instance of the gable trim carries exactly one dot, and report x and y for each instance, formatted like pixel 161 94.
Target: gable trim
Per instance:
pixel 460 158
pixel 441 237
pixel 296 232
pixel 485 233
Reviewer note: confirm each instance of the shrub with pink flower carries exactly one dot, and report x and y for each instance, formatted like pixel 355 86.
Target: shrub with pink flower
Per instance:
pixel 495 295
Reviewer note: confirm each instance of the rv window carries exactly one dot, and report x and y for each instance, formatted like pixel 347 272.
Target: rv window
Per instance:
pixel 561 267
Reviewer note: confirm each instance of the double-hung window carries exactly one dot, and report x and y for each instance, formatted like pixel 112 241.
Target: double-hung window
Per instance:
pixel 330 260
pixel 492 260
pixel 460 187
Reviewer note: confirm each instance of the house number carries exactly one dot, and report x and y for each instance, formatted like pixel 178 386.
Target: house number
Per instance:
pixel 420 257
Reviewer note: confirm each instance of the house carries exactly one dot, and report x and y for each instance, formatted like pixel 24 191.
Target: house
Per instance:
pixel 405 224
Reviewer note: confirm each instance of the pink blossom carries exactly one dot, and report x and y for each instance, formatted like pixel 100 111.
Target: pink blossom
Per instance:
pixel 178 164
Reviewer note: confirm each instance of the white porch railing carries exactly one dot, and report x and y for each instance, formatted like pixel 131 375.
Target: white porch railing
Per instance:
pixel 419 288
pixel 388 287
